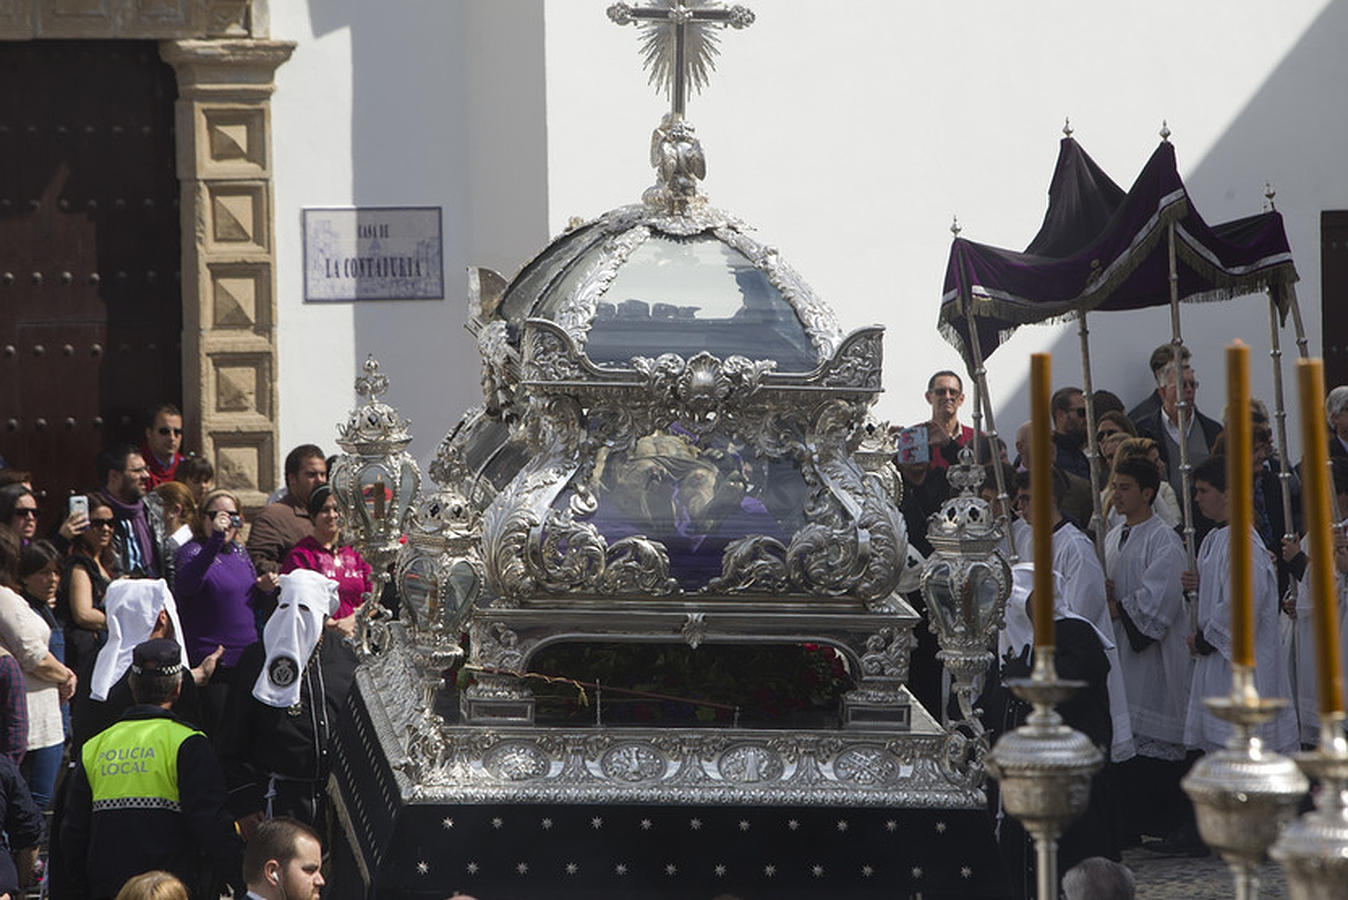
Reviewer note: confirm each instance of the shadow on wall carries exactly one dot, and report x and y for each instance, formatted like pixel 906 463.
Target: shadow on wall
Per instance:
pixel 1291 134
pixel 479 154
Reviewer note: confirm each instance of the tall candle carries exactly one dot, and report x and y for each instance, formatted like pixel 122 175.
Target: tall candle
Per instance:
pixel 1324 599
pixel 1240 493
pixel 1041 495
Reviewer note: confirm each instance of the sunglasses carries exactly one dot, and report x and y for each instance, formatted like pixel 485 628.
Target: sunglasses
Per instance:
pixel 946 392
pixel 101 523
pixel 1101 435
pixel 166 431
pixel 25 512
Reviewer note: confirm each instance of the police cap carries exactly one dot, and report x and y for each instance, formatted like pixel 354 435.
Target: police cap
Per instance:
pixel 157 657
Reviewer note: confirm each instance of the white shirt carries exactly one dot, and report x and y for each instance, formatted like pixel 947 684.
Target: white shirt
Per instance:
pixel 1083 590
pixel 1146 573
pixel 1212 673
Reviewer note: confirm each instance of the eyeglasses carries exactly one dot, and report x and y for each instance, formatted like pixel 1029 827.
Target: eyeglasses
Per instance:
pixel 212 513
pixel 25 512
pixel 101 523
pixel 166 431
pixel 947 392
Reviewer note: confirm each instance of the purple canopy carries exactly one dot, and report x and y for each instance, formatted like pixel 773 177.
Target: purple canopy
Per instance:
pixel 1100 248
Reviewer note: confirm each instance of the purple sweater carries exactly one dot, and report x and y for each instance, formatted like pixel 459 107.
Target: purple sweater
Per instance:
pixel 214 589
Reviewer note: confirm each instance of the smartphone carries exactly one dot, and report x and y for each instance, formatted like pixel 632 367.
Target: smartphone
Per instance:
pixel 912 446
pixel 77 503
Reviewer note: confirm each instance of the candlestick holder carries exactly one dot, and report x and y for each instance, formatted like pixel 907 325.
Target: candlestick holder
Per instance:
pixel 1044 767
pixel 1244 794
pixel 1313 850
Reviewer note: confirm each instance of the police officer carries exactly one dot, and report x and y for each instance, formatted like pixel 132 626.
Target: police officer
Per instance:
pixel 148 793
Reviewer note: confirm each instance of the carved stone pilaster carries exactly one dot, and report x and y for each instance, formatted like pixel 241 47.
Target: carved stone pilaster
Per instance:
pixel 223 119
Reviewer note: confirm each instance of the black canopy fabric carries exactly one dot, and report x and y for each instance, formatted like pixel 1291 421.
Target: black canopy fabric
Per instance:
pixel 1101 248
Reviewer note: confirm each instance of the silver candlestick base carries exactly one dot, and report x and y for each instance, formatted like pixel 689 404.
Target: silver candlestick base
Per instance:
pixel 1245 794
pixel 1044 767
pixel 1313 850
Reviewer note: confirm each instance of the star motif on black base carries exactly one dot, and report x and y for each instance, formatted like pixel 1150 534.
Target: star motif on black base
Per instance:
pixel 671 870
pixel 522 868
pixel 447 823
pixel 572 868
pixel 744 824
pixel 891 825
pixel 842 825
pixel 720 870
pixel 769 870
pixel 966 872
pixel 423 867
pixel 793 824
pixel 646 824
pixel 817 870
pixel 620 869
pixel 695 824
pixel 472 868
pixel 597 823
pixel 867 871
pixel 546 824
pixel 497 822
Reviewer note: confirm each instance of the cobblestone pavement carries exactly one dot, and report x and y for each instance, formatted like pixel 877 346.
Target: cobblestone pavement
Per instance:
pixel 1167 878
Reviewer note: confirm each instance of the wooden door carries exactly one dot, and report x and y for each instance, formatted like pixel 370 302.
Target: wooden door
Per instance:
pixel 1334 295
pixel 90 299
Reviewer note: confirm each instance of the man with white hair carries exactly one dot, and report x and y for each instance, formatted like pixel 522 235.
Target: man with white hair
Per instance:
pixel 1336 409
pixel 1162 426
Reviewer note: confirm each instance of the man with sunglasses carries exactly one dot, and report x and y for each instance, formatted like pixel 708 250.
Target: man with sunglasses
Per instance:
pixel 1069 431
pixel 163 438
pixel 140 528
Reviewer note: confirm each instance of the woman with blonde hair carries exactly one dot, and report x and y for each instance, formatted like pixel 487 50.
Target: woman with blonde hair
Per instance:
pixel 1166 505
pixel 180 508
pixel 156 885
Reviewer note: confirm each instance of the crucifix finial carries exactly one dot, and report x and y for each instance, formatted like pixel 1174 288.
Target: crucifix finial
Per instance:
pixel 680 44
pixel 680 41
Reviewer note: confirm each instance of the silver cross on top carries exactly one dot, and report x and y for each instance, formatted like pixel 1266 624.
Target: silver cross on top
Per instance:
pixel 680 41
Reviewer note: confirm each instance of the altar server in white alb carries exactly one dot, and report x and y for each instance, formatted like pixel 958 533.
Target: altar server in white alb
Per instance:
pixel 1212 644
pixel 1083 587
pixel 1303 671
pixel 1144 559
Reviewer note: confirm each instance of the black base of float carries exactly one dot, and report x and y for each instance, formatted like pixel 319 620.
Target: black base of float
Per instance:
pixel 515 852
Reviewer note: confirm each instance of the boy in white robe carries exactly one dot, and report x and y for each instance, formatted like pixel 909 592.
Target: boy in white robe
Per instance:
pixel 1144 559
pixel 1075 558
pixel 1304 665
pixel 1212 644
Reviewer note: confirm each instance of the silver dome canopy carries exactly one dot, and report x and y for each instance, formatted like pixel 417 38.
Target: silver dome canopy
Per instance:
pixel 639 282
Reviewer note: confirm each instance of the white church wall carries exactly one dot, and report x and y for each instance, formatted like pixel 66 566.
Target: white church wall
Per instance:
pixel 848 135
pixel 403 104
pixel 851 134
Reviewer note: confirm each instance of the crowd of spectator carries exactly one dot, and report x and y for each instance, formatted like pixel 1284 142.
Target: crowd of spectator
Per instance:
pixel 1145 624
pixel 170 677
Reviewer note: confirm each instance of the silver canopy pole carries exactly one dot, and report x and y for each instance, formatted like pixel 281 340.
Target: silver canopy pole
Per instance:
pixel 1280 420
pixel 980 378
pixel 1182 410
pixel 1097 526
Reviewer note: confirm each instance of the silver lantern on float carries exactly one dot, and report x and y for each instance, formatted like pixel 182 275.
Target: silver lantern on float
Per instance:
pixel 375 480
pixel 965 583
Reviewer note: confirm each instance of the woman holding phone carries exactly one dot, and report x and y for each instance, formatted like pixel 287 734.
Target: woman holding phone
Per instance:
pixel 216 585
pixel 89 569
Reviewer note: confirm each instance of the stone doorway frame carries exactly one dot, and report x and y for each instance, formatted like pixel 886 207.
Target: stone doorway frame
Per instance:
pixel 226 69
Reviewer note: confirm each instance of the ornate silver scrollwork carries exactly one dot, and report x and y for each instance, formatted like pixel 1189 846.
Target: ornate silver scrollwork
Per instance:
pixel 887 653
pixel 694 630
pixel 636 565
pixel 755 563
pixel 699 391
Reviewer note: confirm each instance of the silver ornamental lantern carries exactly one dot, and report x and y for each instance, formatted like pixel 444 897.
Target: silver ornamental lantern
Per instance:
pixel 965 583
pixel 439 577
pixel 1313 850
pixel 375 480
pixel 1244 794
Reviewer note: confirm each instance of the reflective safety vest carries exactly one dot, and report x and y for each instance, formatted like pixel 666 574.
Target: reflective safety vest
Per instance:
pixel 134 764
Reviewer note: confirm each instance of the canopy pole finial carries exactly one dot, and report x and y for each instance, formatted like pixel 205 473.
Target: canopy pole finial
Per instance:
pixel 1269 194
pixel 1067 126
pixel 1165 130
pixel 955 226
